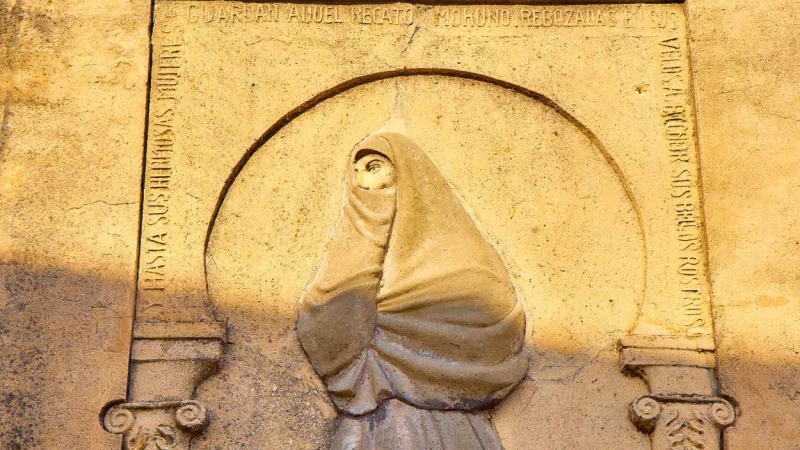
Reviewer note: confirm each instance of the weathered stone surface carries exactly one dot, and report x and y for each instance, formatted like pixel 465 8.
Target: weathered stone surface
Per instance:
pixel 654 263
pixel 72 92
pixel 747 94
pixel 531 150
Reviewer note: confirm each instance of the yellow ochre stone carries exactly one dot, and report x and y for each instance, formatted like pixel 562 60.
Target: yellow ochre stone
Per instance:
pixel 444 225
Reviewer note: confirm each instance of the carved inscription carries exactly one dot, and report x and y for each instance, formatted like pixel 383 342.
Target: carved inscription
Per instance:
pixel 575 17
pixel 383 15
pixel 220 13
pixel 224 13
pixel 677 128
pixel 166 78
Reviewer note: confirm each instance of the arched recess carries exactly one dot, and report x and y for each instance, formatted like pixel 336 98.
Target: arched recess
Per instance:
pixel 410 72
pixel 244 359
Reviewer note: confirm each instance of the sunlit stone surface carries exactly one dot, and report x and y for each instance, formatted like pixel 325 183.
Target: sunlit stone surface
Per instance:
pixel 525 225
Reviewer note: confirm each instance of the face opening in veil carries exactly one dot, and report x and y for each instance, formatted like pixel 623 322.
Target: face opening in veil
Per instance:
pixel 411 316
pixel 373 170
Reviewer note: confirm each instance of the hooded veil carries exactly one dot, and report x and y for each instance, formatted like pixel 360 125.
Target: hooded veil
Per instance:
pixel 412 305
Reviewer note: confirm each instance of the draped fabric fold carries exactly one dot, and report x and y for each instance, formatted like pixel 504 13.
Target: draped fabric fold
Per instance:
pixel 411 308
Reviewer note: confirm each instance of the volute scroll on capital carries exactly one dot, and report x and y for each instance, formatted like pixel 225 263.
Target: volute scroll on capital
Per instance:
pixel 695 421
pixel 161 425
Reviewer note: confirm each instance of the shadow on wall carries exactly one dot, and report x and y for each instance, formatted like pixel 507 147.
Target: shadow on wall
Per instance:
pixel 64 338
pixel 64 346
pixel 65 334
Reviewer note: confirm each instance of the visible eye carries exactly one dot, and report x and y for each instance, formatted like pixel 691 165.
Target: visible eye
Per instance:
pixel 374 166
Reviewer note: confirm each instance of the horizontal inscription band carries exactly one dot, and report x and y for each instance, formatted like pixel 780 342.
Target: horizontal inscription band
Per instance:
pixel 473 2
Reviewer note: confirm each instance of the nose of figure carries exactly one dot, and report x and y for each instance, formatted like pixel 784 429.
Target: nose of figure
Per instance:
pixel 374 171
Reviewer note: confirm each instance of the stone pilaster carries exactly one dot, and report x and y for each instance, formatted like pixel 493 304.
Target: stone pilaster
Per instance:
pixel 683 410
pixel 168 362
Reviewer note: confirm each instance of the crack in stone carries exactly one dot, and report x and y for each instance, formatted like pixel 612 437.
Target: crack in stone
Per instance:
pixel 73 208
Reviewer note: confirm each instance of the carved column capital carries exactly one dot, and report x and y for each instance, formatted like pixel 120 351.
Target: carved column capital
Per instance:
pixel 683 421
pixel 168 361
pixel 683 410
pixel 167 425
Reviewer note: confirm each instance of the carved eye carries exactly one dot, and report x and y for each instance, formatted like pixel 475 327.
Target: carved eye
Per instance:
pixel 374 166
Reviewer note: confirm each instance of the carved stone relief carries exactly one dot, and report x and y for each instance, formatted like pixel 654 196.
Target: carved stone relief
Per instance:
pixel 683 422
pixel 540 262
pixel 168 361
pixel 503 218
pixel 157 425
pixel 412 320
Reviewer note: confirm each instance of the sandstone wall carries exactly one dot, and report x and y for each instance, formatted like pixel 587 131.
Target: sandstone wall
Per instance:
pixel 72 99
pixel 73 80
pixel 748 98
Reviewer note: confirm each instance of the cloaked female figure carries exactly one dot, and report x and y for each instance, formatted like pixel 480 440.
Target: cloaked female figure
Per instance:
pixel 411 320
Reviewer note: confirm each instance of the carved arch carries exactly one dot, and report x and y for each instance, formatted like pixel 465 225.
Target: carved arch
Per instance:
pixel 411 72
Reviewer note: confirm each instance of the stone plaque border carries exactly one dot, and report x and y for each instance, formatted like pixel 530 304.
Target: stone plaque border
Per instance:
pixel 184 342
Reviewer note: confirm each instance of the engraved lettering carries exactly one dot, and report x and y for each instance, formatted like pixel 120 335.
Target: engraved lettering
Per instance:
pixel 677 132
pixel 168 61
pixel 383 15
pixel 467 16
